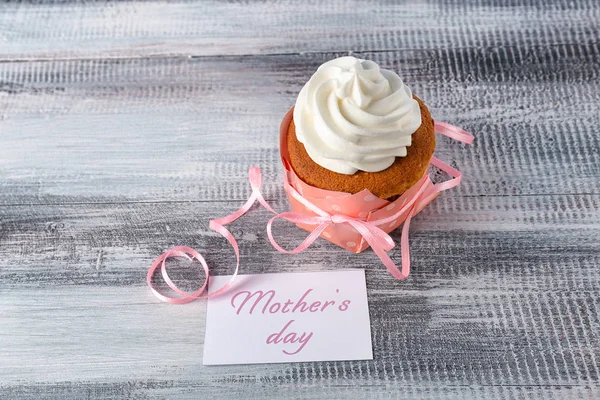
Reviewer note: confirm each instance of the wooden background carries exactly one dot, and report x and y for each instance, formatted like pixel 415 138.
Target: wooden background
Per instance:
pixel 126 126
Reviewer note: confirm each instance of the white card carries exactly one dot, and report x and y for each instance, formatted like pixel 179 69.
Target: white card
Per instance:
pixel 290 317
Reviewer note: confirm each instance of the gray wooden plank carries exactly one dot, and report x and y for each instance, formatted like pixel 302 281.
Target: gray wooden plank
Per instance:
pixel 106 244
pixel 500 303
pixel 74 29
pixel 105 130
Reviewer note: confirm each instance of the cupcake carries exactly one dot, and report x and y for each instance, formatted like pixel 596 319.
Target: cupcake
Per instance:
pixel 356 126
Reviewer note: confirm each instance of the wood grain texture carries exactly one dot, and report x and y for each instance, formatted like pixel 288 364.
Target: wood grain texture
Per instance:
pixel 506 313
pixel 97 131
pixel 99 29
pixel 114 117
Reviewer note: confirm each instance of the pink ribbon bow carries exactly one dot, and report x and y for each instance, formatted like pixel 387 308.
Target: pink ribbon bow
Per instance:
pixel 379 240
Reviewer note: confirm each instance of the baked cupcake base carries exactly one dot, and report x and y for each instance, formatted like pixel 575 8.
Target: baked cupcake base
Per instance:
pixel 386 184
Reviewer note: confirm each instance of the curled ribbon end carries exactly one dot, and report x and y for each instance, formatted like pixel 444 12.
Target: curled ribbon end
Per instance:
pixel 453 132
pixel 469 138
pixel 179 251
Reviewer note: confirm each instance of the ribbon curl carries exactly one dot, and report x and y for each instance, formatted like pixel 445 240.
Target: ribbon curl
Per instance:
pixel 217 225
pixel 379 240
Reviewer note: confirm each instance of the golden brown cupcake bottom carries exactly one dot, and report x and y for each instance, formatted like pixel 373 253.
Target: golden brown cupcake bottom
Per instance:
pixel 387 184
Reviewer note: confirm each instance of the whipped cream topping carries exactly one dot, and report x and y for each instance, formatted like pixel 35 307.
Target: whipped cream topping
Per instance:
pixel 351 115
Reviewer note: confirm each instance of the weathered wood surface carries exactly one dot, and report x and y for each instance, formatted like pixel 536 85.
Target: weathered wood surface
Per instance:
pixel 114 118
pixel 100 29
pixel 121 118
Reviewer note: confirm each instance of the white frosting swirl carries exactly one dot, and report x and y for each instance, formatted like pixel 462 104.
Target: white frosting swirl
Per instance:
pixel 351 115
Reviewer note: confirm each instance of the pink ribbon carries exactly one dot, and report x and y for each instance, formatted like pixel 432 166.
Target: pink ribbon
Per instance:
pixel 217 225
pixel 379 240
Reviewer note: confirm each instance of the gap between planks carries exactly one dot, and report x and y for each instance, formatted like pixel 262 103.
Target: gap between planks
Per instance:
pixel 174 56
pixel 269 200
